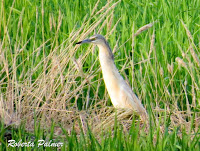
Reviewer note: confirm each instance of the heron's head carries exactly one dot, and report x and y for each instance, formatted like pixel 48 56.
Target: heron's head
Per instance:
pixel 95 39
pixel 100 41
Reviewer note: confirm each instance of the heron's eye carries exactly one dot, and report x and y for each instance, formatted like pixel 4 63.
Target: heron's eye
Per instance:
pixel 92 39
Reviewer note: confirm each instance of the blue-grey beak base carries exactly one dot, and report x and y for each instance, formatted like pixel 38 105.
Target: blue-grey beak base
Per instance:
pixel 84 41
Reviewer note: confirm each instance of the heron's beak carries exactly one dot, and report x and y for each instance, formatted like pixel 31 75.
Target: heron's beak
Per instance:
pixel 84 41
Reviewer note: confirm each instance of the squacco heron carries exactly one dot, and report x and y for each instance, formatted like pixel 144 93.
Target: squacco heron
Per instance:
pixel 120 92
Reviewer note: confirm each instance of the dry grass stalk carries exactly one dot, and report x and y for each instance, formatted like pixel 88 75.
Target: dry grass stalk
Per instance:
pixel 78 64
pixel 143 28
pixel 104 8
pixel 183 55
pixel 110 22
pixel 187 101
pixel 161 71
pixel 103 24
pixel 194 55
pixel 187 31
pixel 170 68
pixel 95 7
pixel 109 121
pixel 193 96
pixel 83 122
pixel 88 27
pixel 152 43
pixel 116 45
pixel 114 27
pixel 181 62
pixel 133 42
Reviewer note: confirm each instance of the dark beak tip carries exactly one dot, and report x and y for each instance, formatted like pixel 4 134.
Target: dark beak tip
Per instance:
pixel 79 42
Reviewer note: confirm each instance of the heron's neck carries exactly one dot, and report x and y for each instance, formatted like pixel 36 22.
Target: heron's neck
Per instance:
pixel 111 76
pixel 109 69
pixel 105 53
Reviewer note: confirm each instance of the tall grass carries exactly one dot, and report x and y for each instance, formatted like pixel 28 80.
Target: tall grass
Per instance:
pixel 135 139
pixel 42 70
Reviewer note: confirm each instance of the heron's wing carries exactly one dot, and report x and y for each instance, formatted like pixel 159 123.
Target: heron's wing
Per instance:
pixel 131 99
